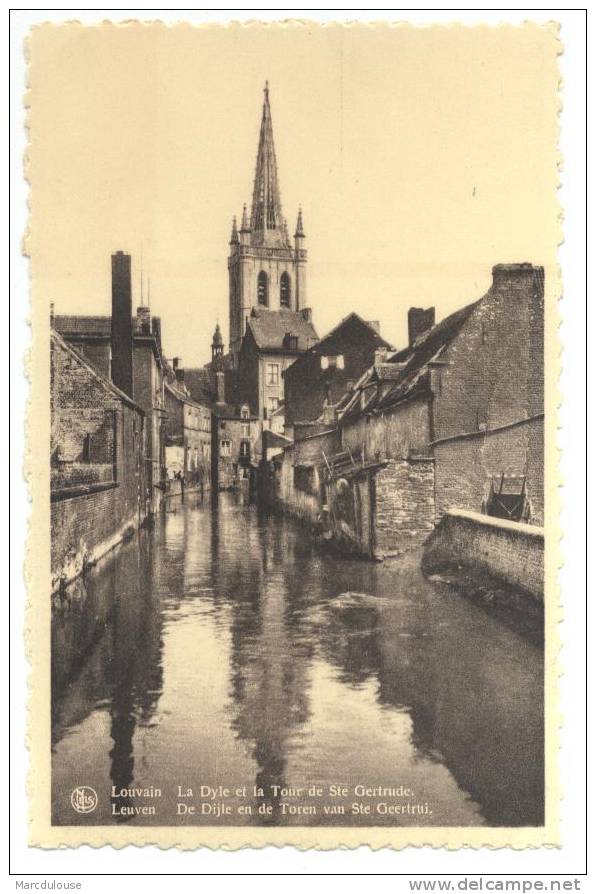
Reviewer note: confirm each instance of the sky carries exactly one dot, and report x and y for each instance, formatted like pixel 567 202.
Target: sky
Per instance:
pixel 420 156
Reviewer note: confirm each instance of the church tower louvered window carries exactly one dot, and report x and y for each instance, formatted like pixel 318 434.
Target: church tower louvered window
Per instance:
pixel 285 295
pixel 263 289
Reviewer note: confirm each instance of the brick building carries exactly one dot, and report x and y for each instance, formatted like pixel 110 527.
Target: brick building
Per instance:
pixel 235 429
pixel 455 419
pixel 96 463
pixel 127 351
pixel 187 432
pixel 272 342
pixel 325 371
pixel 235 437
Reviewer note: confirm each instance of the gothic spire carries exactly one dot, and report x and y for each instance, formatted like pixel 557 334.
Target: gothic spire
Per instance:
pixel 234 236
pixel 266 216
pixel 299 224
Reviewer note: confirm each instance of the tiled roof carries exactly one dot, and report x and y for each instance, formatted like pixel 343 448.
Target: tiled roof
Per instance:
pixel 412 365
pixel 70 324
pixel 198 383
pixel 270 328
pixel 387 371
pixel 429 346
pixel 231 411
pixel 56 338
pixel 353 318
pixel 273 439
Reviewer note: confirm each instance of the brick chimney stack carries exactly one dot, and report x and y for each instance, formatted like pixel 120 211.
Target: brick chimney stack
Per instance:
pixel 122 369
pixel 220 386
pixel 420 320
pixel 178 369
pixel 517 275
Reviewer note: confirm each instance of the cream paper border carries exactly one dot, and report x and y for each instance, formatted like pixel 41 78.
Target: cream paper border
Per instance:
pixel 38 613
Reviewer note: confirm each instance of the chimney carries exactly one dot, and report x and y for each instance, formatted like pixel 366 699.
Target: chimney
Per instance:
pixel 144 320
pixel 516 274
pixel 306 314
pixel 179 372
pixel 156 329
pixel 175 363
pixel 220 387
pixel 122 373
pixel 419 321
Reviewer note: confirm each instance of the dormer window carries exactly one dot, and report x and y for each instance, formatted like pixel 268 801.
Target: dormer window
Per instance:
pixel 333 362
pixel 244 414
pixel 291 341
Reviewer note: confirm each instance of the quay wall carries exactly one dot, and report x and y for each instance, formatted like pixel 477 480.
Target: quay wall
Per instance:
pixel 465 466
pixel 97 468
pixel 85 528
pixel 405 504
pixel 510 551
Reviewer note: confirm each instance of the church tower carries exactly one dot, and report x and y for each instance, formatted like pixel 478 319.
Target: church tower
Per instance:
pixel 265 270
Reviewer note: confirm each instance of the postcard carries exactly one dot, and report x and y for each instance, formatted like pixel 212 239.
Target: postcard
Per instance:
pixel 293 551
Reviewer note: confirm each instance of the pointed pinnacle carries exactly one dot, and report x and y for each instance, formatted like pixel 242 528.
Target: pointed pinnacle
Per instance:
pixel 299 224
pixel 234 236
pixel 245 227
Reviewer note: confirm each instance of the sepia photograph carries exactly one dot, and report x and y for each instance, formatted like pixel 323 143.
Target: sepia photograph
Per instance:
pixel 294 534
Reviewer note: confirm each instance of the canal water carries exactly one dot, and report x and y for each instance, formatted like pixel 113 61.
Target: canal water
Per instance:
pixel 220 648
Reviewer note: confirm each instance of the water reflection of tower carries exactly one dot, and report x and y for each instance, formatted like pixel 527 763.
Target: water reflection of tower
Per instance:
pixel 136 672
pixel 269 656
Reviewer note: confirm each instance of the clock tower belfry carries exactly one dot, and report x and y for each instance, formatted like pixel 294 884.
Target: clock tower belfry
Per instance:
pixel 265 270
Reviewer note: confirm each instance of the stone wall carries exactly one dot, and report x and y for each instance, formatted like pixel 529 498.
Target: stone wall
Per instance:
pixel 492 374
pixel 510 551
pixel 464 467
pixel 289 498
pixel 93 505
pixel 393 434
pixel 405 506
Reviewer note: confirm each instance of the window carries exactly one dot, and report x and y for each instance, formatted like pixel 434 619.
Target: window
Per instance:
pixel 285 294
pixel 245 449
pixel 304 479
pixel 272 404
pixel 244 413
pixel 273 373
pixel 333 362
pixel 263 289
pixel 87 448
pixel 226 448
pixel 245 430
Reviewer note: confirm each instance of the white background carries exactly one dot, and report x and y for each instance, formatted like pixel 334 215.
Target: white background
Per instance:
pixel 569 859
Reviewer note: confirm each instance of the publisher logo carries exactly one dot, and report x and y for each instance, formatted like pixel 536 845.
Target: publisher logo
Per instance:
pixel 83 799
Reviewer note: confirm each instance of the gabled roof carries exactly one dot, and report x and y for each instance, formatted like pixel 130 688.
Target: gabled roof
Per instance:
pixel 232 411
pixel 269 329
pixel 106 384
pixel 273 439
pixel 73 324
pixel 412 365
pixel 198 384
pixel 352 318
pixel 84 326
